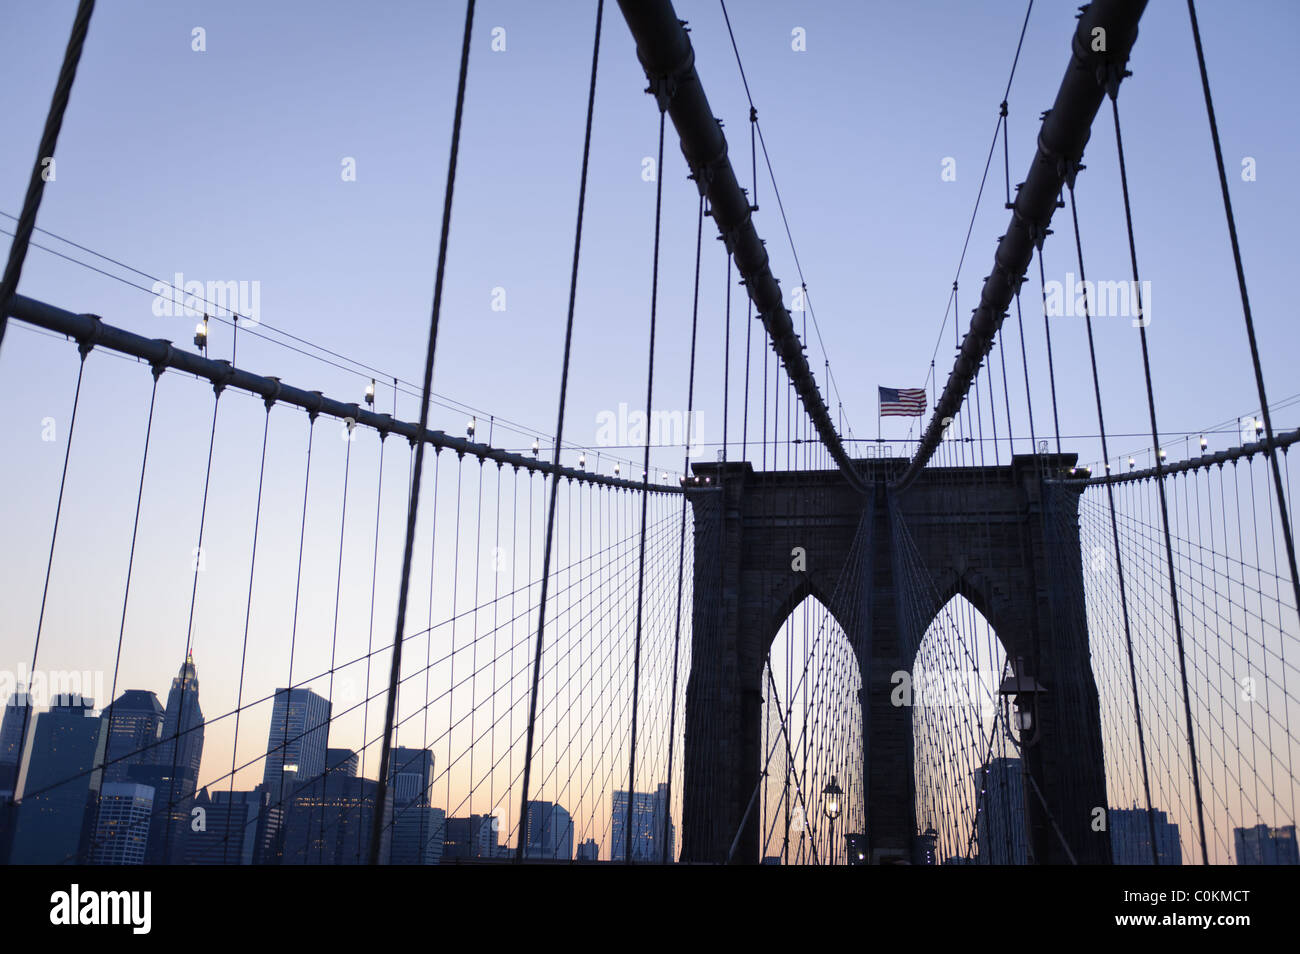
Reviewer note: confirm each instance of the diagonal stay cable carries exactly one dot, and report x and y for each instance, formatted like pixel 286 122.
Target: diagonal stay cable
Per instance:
pixel 44 155
pixel 395 672
pixel 559 434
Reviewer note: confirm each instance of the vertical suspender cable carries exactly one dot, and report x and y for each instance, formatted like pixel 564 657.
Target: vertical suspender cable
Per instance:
pixel 645 497
pixel 84 349
pixel 681 544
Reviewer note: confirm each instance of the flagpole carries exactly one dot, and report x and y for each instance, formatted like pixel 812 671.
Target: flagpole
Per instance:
pixel 877 421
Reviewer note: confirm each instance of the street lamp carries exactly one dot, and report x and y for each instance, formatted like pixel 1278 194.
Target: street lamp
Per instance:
pixel 831 807
pixel 1023 690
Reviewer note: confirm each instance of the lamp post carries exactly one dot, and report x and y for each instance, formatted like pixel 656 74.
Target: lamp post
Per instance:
pixel 1024 692
pixel 831 807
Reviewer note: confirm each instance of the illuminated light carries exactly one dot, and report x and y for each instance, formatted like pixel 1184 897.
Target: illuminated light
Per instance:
pixel 1131 463
pixel 616 470
pixel 1204 443
pixel 370 392
pixel 831 799
pixel 469 428
pixel 582 461
pixel 201 333
pixel 537 447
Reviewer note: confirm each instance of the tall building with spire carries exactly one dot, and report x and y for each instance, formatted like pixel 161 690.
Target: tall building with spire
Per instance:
pixel 182 735
pixel 174 773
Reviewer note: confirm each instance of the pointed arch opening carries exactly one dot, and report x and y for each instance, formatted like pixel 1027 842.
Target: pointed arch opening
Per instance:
pixel 968 782
pixel 811 740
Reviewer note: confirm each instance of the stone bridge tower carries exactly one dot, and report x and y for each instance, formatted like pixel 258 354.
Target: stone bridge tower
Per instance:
pixel 1002 537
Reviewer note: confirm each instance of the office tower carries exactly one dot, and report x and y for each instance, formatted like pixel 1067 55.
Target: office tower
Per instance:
pixel 923 848
pixel 468 838
pixel 417 834
pixel 1130 838
pixel 588 850
pixel 296 742
pixel 182 736
pixel 1263 845
pixel 1000 813
pixel 330 821
pixel 55 817
pixel 342 761
pixel 549 833
pixel 18 718
pixel 122 830
pixel 18 714
pixel 232 829
pixel 488 844
pixel 651 826
pixel 135 726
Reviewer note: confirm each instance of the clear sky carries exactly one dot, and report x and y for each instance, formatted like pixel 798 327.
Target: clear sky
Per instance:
pixel 227 165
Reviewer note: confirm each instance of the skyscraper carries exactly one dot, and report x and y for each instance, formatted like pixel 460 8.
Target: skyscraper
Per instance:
pixel 1000 813
pixel 1130 837
pixel 330 821
pixel 588 850
pixel 174 773
pixel 182 734
pixel 56 814
pixel 472 837
pixel 135 726
pixel 297 740
pixel 651 826
pixel 342 761
pixel 122 830
pixel 18 713
pixel 550 832
pixel 417 827
pixel 1263 845
pixel 18 718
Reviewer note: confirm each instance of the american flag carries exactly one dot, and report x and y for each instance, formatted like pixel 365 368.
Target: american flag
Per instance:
pixel 902 402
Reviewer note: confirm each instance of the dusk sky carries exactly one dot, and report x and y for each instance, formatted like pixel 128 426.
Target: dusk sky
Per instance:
pixel 232 164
